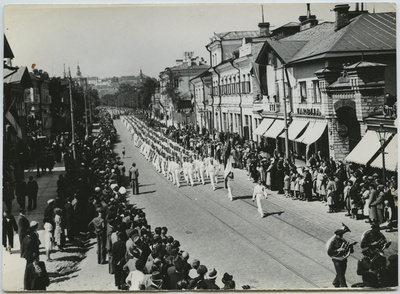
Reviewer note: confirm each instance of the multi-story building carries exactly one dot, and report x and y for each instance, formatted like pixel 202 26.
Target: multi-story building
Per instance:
pixel 331 76
pixel 176 97
pixel 224 93
pixel 39 101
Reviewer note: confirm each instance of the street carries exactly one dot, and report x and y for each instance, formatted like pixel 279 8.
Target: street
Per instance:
pixel 284 250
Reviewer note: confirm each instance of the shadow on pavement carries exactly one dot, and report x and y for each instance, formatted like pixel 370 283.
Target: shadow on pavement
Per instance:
pixel 148 192
pixel 272 213
pixel 242 197
pixel 62 279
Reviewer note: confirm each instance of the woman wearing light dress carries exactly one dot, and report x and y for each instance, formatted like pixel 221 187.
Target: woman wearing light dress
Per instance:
pixel 258 194
pixel 58 228
pixel 48 239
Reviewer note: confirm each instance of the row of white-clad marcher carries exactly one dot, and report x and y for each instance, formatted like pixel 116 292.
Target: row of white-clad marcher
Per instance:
pixel 156 148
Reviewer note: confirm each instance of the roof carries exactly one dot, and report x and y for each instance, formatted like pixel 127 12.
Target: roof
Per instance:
pixel 286 49
pixel 7 49
pixel 18 76
pixel 234 35
pixel 186 66
pixel 366 32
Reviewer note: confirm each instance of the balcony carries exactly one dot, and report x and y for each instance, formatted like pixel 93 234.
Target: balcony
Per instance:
pixel 266 106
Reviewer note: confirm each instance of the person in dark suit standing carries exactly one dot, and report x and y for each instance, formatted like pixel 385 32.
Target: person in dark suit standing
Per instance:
pixel 32 189
pixel 23 226
pixel 308 184
pixel 30 244
pixel 9 226
pixel 20 191
pixel 99 227
pixel 134 178
pixel 118 254
pixel 36 276
pixel 69 220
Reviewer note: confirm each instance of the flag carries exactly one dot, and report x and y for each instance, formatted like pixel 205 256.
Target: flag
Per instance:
pixel 227 162
pixel 10 117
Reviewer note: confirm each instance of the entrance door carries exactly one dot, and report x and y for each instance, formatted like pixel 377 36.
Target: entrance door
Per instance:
pixel 347 117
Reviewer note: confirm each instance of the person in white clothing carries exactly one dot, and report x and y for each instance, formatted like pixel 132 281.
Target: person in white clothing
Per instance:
pixel 211 173
pixel 259 193
pixel 190 172
pixel 177 172
pixel 201 170
pixel 136 278
pixel 229 185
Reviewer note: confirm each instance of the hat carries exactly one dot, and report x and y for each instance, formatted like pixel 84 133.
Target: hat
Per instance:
pixel 156 276
pixel 375 175
pixel 227 277
pixel 212 273
pixel 97 189
pixel 122 190
pixel 33 224
pixel 113 186
pixel 50 201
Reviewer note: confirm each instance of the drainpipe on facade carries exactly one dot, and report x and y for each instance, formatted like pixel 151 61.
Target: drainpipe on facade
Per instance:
pixel 240 103
pixel 220 98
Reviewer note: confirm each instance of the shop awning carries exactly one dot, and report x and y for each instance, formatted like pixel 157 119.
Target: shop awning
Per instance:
pixel 295 129
pixel 313 132
pixel 391 156
pixel 275 129
pixel 263 127
pixel 365 149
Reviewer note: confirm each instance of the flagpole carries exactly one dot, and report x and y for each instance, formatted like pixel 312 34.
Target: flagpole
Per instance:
pixel 72 115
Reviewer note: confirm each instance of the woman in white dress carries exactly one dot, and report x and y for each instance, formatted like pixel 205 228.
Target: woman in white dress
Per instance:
pixel 48 239
pixel 229 181
pixel 258 193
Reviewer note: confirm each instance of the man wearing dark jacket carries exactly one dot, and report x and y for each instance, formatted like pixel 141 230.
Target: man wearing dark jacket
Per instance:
pixel 23 226
pixel 32 189
pixel 118 254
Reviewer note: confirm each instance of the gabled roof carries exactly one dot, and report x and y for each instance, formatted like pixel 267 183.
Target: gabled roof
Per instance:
pixel 286 49
pixel 7 49
pixel 19 76
pixel 366 32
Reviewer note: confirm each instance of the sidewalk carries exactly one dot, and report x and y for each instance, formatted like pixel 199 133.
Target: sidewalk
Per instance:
pixel 13 266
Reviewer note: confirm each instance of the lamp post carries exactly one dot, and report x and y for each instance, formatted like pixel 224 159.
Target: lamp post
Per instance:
pixel 383 136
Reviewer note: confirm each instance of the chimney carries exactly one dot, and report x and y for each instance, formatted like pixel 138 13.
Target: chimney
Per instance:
pixel 342 16
pixel 307 21
pixel 264 29
pixel 178 62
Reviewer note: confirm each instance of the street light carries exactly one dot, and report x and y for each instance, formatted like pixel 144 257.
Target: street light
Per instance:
pixel 383 135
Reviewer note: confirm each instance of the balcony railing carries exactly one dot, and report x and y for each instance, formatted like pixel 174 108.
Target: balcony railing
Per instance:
pixel 266 106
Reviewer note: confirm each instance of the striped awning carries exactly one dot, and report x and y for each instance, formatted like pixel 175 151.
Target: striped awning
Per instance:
pixel 365 149
pixel 391 156
pixel 263 127
pixel 313 132
pixel 295 128
pixel 276 128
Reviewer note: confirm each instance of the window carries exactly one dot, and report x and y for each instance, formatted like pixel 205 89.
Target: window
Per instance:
pixel 276 96
pixel 176 83
pixel 317 92
pixel 303 92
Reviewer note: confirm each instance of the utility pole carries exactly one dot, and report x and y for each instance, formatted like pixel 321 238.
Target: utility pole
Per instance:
pixel 86 115
pixel 72 115
pixel 285 116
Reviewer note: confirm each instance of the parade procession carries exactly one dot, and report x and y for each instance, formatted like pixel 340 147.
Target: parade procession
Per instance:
pixel 272 165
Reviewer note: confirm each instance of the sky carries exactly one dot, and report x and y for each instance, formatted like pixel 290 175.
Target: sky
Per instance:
pixel 117 40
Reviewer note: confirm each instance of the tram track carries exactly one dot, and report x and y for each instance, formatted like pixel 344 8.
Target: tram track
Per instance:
pixel 263 231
